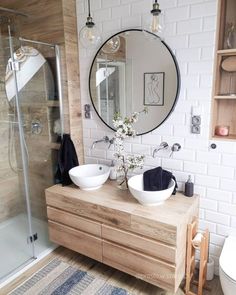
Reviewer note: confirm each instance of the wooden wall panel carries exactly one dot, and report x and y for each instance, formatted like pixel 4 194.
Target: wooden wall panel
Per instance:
pixel 44 21
pixel 72 65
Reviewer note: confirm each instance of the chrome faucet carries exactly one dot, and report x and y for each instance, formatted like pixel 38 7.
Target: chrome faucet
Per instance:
pixel 105 139
pixel 163 146
pixel 175 148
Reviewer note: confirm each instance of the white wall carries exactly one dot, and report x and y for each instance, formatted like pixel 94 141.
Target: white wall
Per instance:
pixel 190 33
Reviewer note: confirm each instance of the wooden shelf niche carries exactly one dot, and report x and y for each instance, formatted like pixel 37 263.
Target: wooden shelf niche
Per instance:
pixel 224 85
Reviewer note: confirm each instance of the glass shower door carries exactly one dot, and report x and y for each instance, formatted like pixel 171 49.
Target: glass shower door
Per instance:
pixel 40 108
pixel 16 235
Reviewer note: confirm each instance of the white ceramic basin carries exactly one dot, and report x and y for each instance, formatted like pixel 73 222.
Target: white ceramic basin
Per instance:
pixel 90 176
pixel 146 197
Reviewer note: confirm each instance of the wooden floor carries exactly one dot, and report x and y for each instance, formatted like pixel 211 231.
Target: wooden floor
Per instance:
pixel 117 278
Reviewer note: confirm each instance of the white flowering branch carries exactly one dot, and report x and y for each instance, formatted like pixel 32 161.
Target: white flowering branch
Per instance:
pixel 124 129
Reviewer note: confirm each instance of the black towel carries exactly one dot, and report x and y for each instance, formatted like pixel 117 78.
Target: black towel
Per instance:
pixel 67 159
pixel 158 179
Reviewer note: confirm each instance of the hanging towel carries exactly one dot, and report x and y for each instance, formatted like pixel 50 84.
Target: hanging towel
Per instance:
pixel 158 179
pixel 67 159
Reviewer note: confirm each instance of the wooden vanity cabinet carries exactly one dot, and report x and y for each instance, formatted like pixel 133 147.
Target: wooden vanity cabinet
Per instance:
pixel 109 226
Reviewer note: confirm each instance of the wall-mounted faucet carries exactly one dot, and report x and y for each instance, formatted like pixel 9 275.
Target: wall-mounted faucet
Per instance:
pixel 176 147
pixel 105 139
pixel 162 146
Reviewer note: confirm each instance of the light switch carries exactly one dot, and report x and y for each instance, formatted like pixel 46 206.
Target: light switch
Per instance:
pixel 196 120
pixel 196 129
pixel 87 111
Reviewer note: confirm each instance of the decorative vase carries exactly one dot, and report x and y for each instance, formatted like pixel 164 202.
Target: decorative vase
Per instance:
pixel 230 36
pixel 222 130
pixel 122 180
pixel 230 40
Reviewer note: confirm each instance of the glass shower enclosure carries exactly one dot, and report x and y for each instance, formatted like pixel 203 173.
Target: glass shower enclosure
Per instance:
pixel 31 123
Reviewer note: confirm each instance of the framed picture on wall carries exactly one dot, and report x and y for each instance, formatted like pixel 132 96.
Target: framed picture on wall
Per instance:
pixel 154 88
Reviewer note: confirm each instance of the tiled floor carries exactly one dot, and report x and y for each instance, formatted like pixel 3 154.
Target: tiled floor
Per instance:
pixel 113 276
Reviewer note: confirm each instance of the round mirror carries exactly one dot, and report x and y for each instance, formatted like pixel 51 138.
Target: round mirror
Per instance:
pixel 131 71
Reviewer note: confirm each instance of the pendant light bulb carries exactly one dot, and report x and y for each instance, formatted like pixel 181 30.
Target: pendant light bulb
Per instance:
pixel 153 23
pixel 90 36
pixel 155 26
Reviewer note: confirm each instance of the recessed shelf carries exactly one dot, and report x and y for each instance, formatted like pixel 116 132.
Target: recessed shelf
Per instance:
pixel 224 104
pixel 227 52
pixel 229 137
pixel 225 97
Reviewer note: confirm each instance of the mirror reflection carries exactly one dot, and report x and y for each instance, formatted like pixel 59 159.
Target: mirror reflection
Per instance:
pixel 131 71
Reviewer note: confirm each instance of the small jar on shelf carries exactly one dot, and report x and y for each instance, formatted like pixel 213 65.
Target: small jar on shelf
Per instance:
pixel 222 130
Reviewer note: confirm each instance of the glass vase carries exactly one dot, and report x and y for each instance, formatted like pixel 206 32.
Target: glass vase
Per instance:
pixel 122 180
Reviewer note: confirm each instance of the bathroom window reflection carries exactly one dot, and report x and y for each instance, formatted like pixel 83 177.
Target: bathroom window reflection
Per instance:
pixel 110 86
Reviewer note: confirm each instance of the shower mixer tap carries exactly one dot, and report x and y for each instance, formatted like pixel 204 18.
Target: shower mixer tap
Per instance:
pixel 36 127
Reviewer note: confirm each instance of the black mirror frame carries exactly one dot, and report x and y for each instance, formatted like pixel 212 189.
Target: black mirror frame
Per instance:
pixel 177 72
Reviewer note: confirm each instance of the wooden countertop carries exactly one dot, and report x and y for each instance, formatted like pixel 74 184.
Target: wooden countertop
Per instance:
pixel 174 211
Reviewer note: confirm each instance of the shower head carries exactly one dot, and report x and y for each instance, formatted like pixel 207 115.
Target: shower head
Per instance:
pixel 4 20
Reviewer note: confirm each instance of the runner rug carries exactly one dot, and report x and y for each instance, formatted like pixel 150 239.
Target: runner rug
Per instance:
pixel 59 278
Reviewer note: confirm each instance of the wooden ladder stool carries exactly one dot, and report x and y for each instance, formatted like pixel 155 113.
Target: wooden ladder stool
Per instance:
pixel 196 241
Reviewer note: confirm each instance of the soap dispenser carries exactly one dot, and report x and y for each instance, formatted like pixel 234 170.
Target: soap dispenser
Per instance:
pixel 189 187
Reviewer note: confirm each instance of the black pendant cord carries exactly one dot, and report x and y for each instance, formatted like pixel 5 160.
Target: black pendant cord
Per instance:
pixel 89 23
pixel 89 12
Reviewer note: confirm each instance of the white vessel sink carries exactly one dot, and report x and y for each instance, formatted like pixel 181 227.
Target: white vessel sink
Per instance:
pixel 90 176
pixel 148 198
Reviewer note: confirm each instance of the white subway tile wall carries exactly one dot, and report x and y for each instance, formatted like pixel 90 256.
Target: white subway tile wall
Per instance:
pixel 190 32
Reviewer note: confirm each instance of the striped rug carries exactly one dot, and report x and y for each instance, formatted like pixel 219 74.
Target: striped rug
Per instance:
pixel 59 278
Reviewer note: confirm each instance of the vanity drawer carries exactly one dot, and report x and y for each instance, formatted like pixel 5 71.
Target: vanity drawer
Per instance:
pixel 154 229
pixel 139 243
pixel 86 209
pixel 75 221
pixel 139 265
pixel 75 240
